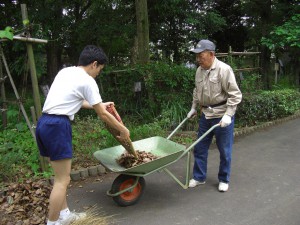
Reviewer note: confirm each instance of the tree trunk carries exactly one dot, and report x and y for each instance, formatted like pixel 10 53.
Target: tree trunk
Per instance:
pixel 142 31
pixel 53 61
pixel 133 57
pixel 265 53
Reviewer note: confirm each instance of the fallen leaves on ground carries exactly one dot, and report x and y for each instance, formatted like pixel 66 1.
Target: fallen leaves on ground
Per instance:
pixel 25 203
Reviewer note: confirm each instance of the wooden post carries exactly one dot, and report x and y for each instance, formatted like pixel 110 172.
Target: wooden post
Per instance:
pixel 276 68
pixel 3 105
pixel 35 86
pixel 258 60
pixel 230 55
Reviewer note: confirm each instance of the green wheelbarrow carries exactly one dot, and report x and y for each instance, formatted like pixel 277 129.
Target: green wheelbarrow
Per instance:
pixel 129 186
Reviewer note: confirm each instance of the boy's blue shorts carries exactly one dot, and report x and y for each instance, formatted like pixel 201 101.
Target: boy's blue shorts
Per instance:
pixel 54 136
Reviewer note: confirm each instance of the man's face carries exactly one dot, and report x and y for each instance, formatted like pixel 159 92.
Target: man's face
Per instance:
pixel 96 69
pixel 205 59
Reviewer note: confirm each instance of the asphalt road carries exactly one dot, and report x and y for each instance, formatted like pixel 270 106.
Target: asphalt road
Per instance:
pixel 264 188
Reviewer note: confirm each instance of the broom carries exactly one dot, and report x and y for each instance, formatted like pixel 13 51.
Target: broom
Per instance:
pixel 127 144
pixel 93 217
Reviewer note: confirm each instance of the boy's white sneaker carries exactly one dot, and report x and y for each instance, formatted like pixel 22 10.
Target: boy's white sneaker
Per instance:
pixel 72 217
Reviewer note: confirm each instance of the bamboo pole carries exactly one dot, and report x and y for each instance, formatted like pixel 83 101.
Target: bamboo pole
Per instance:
pixel 258 59
pixel 230 55
pixel 32 40
pixel 26 39
pixel 245 53
pixel 248 69
pixel 16 93
pixel 35 86
pixel 237 53
pixel 43 161
pixel 4 104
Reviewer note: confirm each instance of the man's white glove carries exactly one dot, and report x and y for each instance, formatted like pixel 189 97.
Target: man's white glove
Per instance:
pixel 192 113
pixel 226 120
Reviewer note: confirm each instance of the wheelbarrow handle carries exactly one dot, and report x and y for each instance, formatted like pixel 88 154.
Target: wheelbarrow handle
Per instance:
pixel 197 141
pixel 203 136
pixel 187 151
pixel 177 128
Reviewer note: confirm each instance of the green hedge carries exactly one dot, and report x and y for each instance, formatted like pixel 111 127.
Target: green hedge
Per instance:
pixel 266 106
pixel 167 95
pixel 162 84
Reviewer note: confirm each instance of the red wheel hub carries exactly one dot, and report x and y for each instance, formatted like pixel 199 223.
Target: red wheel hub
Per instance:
pixel 132 194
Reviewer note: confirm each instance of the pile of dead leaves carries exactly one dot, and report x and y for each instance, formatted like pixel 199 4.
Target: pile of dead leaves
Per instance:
pixel 127 160
pixel 25 203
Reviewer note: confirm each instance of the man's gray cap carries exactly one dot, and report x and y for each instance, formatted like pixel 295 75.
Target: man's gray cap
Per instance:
pixel 204 45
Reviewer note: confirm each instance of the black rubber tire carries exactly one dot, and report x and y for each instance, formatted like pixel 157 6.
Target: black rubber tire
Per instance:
pixel 128 198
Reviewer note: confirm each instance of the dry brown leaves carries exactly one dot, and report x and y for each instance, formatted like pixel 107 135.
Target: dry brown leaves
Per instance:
pixel 127 160
pixel 25 203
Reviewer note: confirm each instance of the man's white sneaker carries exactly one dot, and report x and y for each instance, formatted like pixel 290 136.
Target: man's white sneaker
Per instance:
pixel 72 217
pixel 223 187
pixel 194 183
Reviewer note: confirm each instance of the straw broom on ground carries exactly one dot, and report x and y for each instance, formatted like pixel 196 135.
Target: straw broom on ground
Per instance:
pixel 94 218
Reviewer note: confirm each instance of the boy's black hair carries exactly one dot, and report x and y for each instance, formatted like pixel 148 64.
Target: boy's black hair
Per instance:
pixel 92 53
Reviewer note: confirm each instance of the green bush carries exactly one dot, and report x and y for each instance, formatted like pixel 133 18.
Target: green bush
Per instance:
pixel 267 106
pixel 90 134
pixel 161 84
pixel 285 82
pixel 251 83
pixel 18 153
pixel 173 113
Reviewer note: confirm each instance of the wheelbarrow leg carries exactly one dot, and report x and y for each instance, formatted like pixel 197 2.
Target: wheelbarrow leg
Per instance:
pixel 188 169
pixel 188 173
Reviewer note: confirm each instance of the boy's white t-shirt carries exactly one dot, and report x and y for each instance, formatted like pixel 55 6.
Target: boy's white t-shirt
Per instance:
pixel 70 87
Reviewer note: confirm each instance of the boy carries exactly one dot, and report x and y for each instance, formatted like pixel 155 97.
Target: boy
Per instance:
pixel 73 88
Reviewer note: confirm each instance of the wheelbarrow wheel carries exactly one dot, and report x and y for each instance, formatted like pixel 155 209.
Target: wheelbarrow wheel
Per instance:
pixel 129 197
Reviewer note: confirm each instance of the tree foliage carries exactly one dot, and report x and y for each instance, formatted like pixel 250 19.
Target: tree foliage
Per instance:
pixel 174 27
pixel 7 33
pixel 286 35
pixel 177 25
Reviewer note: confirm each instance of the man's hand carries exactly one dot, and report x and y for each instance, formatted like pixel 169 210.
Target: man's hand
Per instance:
pixel 124 134
pixel 192 113
pixel 106 104
pixel 226 120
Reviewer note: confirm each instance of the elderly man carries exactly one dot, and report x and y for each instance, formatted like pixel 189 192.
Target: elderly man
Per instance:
pixel 217 94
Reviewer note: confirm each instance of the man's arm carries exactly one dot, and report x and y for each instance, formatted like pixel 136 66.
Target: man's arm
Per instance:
pixel 86 105
pixel 233 91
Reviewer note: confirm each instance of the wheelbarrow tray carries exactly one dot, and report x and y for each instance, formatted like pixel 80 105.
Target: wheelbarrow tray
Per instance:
pixel 167 151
